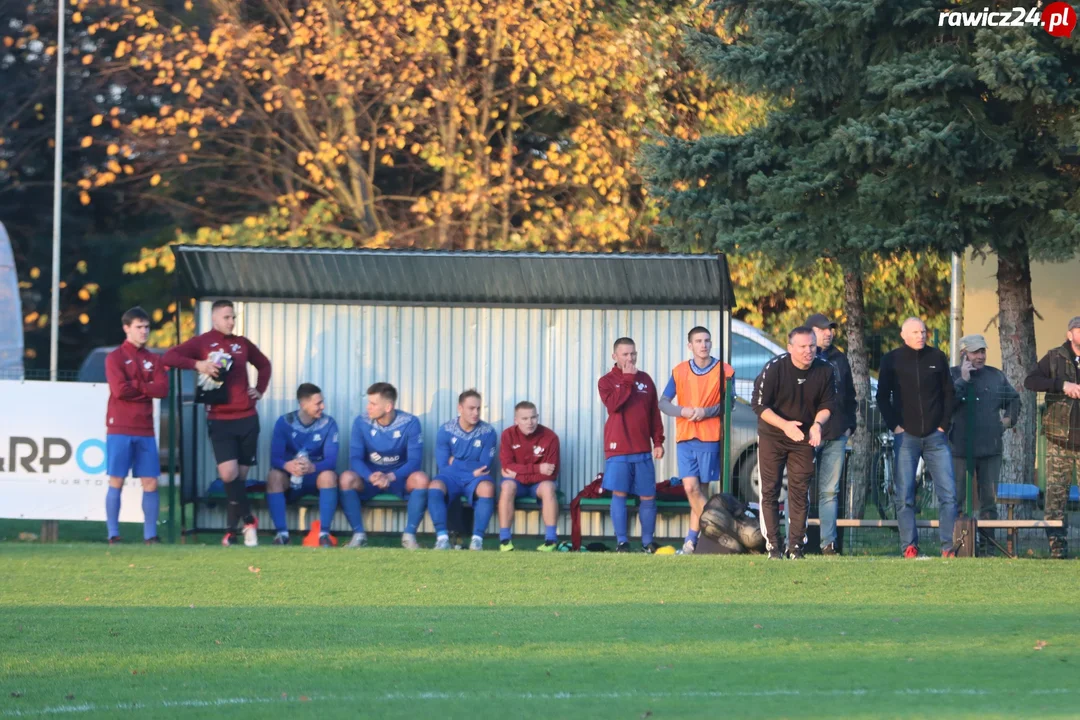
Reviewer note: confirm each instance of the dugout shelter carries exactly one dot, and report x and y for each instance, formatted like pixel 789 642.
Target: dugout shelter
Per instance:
pixel 515 326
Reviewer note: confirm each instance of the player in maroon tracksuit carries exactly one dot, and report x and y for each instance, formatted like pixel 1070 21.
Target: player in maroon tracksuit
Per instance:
pixel 232 420
pixel 136 377
pixel 633 428
pixel 529 456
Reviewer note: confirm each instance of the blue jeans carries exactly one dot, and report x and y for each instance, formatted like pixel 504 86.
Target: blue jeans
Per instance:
pixel 830 465
pixel 936 455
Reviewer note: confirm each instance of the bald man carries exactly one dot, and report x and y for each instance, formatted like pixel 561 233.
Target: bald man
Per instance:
pixel 915 395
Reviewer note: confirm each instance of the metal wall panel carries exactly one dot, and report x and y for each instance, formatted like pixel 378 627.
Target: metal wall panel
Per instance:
pixel 553 357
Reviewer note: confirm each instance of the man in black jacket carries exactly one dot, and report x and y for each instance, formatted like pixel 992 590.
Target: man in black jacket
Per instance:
pixel 1058 376
pixel 834 438
pixel 915 396
pixel 793 398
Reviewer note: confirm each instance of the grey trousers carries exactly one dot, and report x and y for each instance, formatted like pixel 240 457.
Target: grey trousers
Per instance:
pixel 987 476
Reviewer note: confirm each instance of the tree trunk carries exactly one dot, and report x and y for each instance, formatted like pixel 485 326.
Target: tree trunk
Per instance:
pixel 859 461
pixel 1016 330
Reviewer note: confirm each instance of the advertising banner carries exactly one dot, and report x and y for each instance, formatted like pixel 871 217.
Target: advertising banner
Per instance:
pixel 52 453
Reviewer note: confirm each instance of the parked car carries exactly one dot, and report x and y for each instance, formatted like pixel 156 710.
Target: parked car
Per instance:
pixel 92 370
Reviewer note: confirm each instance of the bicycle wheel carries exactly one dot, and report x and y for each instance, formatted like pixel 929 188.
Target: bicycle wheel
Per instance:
pixel 881 484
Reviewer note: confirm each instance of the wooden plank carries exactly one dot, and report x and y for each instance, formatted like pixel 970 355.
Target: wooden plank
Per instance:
pixel 1007 524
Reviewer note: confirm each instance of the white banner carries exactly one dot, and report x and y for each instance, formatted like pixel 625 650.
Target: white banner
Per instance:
pixel 52 453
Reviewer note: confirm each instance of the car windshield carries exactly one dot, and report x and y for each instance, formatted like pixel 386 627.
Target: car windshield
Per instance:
pixel 748 357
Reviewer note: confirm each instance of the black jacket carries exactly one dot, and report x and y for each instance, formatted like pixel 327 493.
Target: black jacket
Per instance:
pixel 843 413
pixel 1061 418
pixel 990 393
pixel 915 390
pixel 793 394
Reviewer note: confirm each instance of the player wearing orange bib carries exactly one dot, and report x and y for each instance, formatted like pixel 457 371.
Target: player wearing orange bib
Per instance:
pixel 694 397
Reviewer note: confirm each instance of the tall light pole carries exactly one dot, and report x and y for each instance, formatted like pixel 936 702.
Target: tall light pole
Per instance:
pixel 54 312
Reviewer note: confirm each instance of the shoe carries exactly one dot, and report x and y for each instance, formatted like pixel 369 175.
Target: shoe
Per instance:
pixel 688 548
pixel 281 539
pixel 229 539
pixel 477 543
pixel 548 546
pixel 795 553
pixel 776 554
pixel 442 542
pixel 152 541
pixel 651 548
pixel 948 554
pixel 911 552
pixel 408 541
pixel 506 546
pixel 358 540
pixel 324 540
pixel 1059 548
pixel 116 540
pixel 829 549
pixel 623 548
pixel 251 532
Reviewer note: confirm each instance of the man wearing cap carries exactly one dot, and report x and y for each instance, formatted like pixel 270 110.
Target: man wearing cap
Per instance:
pixel 1058 375
pixel 986 406
pixel 829 456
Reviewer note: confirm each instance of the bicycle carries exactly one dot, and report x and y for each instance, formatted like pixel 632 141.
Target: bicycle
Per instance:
pixel 883 483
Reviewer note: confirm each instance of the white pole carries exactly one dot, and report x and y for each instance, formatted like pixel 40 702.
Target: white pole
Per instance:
pixel 956 309
pixel 54 312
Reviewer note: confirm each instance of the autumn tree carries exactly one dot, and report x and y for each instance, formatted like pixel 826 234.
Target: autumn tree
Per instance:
pixel 454 124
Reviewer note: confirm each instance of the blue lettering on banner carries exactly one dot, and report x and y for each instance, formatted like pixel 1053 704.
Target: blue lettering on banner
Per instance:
pixel 81 451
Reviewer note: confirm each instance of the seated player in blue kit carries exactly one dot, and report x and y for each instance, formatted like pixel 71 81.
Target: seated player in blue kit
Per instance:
pixel 386 449
pixel 303 461
pixel 464 452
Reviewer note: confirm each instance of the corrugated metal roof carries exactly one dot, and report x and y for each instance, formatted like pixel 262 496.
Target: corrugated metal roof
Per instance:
pixel 421 277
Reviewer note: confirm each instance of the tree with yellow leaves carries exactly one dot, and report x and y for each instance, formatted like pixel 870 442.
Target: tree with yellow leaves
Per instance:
pixel 462 123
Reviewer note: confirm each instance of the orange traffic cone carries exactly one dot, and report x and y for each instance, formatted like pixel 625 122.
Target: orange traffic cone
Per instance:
pixel 312 538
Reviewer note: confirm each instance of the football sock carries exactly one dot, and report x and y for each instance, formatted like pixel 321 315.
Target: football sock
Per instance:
pixel 647 516
pixel 328 502
pixel 482 511
pixel 354 512
pixel 150 508
pixel 275 501
pixel 415 510
pixel 112 511
pixel 618 517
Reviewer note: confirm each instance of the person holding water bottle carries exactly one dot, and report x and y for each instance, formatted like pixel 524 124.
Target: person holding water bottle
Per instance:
pixel 303 461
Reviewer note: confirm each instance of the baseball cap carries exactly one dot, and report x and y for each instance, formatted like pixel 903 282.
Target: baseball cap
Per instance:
pixel 971 343
pixel 818 320
pixel 1074 323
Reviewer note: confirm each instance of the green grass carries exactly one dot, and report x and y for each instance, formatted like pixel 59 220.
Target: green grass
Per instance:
pixel 195 631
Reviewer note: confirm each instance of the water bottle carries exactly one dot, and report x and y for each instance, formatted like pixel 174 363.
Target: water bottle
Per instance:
pixel 297 481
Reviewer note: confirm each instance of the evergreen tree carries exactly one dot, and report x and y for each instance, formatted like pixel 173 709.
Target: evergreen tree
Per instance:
pixel 890 132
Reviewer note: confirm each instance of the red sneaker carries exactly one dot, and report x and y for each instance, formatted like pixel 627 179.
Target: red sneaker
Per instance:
pixel 911 552
pixel 228 539
pixel 948 554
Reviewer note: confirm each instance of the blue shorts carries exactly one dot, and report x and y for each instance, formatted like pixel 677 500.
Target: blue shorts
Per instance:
pixel 523 490
pixel 308 487
pixel 395 488
pixel 132 453
pixel 632 474
pixel 460 484
pixel 696 463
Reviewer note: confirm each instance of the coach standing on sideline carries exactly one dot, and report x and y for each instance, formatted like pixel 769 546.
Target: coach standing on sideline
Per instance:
pixel 233 423
pixel 915 395
pixel 793 398
pixel 830 455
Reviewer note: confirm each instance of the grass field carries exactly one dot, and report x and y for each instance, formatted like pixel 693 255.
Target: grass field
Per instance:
pixel 203 631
